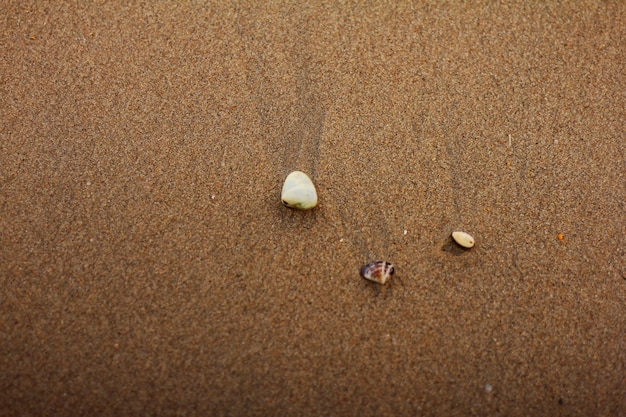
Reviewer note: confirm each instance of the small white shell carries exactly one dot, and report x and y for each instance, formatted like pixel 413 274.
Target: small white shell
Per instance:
pixel 379 271
pixel 463 239
pixel 299 191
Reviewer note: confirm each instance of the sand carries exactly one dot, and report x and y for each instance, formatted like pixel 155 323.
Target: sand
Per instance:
pixel 147 266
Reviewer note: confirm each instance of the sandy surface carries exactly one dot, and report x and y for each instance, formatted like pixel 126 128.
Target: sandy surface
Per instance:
pixel 147 266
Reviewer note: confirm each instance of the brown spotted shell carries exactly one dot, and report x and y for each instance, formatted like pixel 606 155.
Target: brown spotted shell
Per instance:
pixel 379 271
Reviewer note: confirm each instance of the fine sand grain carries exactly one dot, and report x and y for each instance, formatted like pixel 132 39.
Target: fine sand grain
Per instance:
pixel 148 267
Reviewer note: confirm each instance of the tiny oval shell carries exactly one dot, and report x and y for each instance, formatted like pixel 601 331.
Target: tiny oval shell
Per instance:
pixel 298 191
pixel 379 271
pixel 463 239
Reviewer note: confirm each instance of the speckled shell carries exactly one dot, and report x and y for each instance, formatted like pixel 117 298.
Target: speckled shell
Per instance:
pixel 379 271
pixel 463 239
pixel 298 191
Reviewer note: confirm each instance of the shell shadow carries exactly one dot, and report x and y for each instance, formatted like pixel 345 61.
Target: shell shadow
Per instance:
pixel 454 248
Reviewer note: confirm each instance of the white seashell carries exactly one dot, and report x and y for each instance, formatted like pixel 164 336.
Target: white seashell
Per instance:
pixel 299 191
pixel 379 271
pixel 463 239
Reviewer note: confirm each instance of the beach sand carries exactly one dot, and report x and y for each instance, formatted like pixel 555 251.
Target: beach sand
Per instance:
pixel 148 267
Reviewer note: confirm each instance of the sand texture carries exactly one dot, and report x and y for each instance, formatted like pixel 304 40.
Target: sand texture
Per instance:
pixel 148 267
